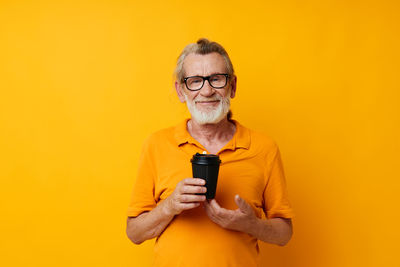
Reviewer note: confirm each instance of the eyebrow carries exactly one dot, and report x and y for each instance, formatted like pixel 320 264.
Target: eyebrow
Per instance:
pixel 207 75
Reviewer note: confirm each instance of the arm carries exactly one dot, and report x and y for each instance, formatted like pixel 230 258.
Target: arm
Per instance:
pixel 148 224
pixel 152 223
pixel 275 231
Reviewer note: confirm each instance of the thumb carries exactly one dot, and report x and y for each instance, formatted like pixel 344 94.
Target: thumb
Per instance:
pixel 242 204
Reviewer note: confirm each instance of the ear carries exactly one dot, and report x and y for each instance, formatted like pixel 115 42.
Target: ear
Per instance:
pixel 178 88
pixel 233 86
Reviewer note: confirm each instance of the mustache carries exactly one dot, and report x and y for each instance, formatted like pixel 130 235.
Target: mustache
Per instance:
pixel 214 98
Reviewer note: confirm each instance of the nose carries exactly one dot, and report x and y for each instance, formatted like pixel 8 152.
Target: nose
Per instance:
pixel 207 90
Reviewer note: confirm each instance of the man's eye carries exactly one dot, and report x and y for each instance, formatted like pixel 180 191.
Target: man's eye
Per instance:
pixel 195 81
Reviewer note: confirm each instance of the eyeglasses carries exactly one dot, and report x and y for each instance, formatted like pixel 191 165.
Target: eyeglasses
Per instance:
pixel 194 83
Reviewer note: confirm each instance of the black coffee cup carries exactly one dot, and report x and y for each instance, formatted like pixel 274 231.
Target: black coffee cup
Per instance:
pixel 206 166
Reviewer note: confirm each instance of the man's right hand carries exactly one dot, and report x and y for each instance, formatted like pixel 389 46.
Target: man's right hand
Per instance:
pixel 185 196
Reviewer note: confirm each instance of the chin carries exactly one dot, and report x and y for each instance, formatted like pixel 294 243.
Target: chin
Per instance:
pixel 207 118
pixel 209 115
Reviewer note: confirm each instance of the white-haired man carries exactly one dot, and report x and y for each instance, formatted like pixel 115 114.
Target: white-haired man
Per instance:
pixel 251 201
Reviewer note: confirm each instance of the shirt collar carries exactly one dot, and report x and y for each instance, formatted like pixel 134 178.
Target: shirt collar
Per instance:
pixel 241 138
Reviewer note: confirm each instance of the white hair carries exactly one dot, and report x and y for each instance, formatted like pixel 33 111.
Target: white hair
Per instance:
pixel 202 47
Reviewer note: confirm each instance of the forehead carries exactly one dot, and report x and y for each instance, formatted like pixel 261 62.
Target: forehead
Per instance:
pixel 204 65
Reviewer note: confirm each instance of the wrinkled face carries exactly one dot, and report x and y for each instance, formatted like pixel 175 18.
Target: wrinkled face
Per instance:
pixel 207 105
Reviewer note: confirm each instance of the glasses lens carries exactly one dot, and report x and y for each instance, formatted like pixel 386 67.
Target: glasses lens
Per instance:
pixel 218 80
pixel 194 83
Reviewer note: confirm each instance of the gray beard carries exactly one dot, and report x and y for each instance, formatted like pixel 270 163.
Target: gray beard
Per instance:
pixel 211 116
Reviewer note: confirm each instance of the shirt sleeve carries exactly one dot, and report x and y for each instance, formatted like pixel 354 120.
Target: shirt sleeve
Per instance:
pixel 142 198
pixel 276 201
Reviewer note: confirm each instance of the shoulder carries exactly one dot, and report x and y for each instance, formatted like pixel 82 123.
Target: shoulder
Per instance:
pixel 259 137
pixel 160 137
pixel 162 133
pixel 261 141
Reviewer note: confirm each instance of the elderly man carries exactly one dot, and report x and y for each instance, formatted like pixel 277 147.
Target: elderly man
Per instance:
pixel 251 201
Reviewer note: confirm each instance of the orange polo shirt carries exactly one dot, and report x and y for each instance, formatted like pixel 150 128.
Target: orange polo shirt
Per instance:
pixel 251 167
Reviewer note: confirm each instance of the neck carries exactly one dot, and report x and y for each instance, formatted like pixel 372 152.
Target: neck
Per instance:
pixel 212 131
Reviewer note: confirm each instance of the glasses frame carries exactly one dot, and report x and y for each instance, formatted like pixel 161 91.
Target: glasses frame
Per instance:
pixel 207 78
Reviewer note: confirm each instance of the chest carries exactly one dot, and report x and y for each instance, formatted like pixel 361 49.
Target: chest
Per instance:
pixel 214 147
pixel 239 173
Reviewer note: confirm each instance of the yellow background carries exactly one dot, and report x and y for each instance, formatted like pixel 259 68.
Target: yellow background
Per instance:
pixel 84 82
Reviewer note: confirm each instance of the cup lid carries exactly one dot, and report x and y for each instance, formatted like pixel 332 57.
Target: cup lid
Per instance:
pixel 205 159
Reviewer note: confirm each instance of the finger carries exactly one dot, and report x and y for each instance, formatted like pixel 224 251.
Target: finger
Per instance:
pixel 194 181
pixel 193 189
pixel 209 211
pixel 191 198
pixel 242 204
pixel 216 208
pixel 214 204
pixel 220 212
pixel 188 206
pixel 206 207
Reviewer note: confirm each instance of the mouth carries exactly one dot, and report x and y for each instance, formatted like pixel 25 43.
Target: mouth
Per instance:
pixel 207 102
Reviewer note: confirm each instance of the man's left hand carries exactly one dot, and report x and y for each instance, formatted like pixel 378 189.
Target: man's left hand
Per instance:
pixel 242 219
